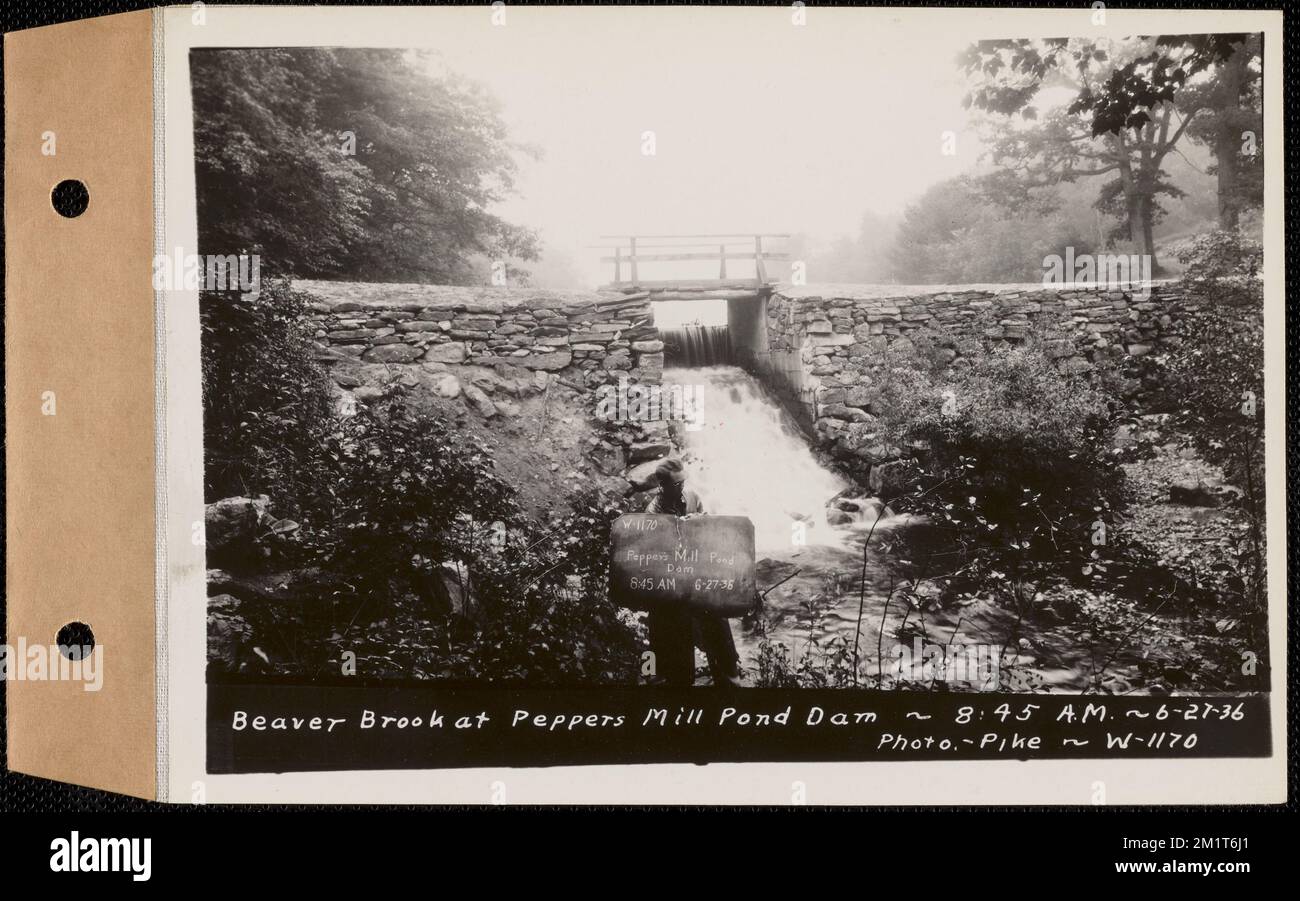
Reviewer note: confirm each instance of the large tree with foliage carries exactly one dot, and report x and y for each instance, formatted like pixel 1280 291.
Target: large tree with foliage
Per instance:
pixel 1134 100
pixel 357 162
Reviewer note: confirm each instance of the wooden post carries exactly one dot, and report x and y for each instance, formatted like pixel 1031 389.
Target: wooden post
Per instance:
pixel 722 262
pixel 618 266
pixel 632 242
pixel 759 269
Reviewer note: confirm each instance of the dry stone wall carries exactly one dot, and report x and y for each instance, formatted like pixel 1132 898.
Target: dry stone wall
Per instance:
pixel 582 340
pixel 825 342
pixel 591 336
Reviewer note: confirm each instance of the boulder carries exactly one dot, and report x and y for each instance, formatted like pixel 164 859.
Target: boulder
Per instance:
pixel 448 386
pixel 1202 494
pixel 642 476
pixel 842 411
pixel 477 399
pixel 230 636
pixel 232 527
pixel 609 458
pixel 648 450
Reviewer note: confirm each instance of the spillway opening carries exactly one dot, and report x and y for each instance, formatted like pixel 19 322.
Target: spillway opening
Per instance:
pixel 693 346
pixel 694 333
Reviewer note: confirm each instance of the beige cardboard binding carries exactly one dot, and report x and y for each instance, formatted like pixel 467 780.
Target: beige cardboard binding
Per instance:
pixel 79 322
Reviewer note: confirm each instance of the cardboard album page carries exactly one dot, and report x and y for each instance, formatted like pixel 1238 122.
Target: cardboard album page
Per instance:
pixel 648 405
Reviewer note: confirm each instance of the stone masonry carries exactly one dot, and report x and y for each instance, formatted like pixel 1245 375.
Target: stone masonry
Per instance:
pixel 825 341
pixel 593 336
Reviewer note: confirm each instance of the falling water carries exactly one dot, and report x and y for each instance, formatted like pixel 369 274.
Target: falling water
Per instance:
pixel 749 459
pixel 697 345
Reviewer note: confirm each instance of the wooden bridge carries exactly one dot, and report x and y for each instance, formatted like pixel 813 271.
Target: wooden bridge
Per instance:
pixel 633 250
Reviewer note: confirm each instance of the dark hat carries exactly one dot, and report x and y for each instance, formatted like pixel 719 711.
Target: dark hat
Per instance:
pixel 670 472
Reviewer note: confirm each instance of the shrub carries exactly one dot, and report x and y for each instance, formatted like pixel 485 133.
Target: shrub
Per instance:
pixel 386 503
pixel 266 400
pixel 1215 378
pixel 1010 450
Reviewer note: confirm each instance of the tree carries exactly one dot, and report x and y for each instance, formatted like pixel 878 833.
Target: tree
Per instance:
pixel 1231 123
pixel 1122 118
pixel 982 230
pixel 1061 147
pixel 356 162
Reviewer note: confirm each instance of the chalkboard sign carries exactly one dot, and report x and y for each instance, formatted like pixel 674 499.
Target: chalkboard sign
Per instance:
pixel 702 562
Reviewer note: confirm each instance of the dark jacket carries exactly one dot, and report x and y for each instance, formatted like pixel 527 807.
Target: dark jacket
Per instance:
pixel 690 503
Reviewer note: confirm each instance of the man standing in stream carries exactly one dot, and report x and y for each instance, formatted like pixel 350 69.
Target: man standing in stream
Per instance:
pixel 675 632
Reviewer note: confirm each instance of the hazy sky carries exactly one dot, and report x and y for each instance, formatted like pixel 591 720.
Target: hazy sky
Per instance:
pixel 760 125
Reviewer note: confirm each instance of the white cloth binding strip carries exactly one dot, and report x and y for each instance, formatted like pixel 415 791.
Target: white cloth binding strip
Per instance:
pixel 160 417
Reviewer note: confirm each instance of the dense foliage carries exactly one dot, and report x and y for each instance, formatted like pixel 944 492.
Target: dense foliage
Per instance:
pixel 1134 100
pixel 266 401
pixel 398 549
pixel 1009 450
pixel 357 161
pixel 968 231
pixel 1215 378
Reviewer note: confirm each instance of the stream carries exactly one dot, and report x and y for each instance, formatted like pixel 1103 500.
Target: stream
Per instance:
pixel 749 458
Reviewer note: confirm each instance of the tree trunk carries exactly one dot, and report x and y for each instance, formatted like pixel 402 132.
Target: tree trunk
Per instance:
pixel 1228 137
pixel 1148 231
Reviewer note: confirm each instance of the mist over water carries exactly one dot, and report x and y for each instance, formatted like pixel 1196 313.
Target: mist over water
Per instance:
pixel 749 459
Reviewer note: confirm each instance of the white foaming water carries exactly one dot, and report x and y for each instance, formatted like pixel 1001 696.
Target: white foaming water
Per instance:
pixel 747 459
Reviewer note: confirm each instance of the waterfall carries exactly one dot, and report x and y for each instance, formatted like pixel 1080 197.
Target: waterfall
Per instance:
pixel 696 345
pixel 748 458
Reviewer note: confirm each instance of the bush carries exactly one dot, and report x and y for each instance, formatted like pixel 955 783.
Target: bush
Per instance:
pixel 407 548
pixel 1009 450
pixel 266 400
pixel 1215 378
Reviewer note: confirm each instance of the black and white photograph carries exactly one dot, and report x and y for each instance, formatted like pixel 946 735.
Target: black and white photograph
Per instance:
pixel 969 401
pixel 437 433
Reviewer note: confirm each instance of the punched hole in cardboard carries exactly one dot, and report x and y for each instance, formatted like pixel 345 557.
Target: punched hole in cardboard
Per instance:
pixel 70 198
pixel 76 641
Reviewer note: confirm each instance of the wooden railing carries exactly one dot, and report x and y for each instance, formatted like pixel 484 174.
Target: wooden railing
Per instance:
pixel 634 249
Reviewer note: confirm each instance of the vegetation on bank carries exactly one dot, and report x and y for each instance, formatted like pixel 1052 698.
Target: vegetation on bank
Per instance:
pixel 1016 464
pixel 386 543
pixel 389 546
pixel 389 533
